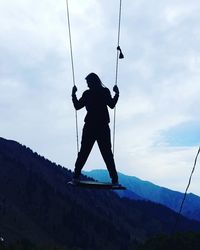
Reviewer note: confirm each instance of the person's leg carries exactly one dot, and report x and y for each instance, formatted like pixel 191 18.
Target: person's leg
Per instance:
pixel 87 143
pixel 104 143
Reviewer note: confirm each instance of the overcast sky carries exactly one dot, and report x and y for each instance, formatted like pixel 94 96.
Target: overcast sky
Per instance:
pixel 158 115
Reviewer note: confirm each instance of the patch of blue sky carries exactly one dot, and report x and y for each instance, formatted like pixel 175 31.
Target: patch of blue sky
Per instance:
pixel 186 134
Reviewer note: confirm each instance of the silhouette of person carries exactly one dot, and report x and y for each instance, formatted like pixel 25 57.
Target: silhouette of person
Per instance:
pixel 96 127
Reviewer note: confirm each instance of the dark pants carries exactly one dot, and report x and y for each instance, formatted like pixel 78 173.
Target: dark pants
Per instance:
pixel 101 134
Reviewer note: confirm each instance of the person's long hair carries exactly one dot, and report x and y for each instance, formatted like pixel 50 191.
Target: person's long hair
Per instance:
pixel 94 80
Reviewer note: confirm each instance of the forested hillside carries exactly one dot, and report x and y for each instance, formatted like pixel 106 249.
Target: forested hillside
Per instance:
pixel 37 205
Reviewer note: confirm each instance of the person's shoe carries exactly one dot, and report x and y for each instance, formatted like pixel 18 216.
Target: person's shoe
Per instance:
pixel 115 183
pixel 75 181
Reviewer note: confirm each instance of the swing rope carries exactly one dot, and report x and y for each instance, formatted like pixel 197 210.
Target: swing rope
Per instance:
pixel 185 194
pixel 119 56
pixel 73 71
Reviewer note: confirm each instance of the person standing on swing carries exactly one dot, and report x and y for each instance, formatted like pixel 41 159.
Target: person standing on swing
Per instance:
pixel 96 127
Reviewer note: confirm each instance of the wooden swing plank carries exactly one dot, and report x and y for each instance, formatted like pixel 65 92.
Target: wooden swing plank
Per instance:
pixel 97 185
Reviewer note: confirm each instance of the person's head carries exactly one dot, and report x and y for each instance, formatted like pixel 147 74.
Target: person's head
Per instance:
pixel 93 81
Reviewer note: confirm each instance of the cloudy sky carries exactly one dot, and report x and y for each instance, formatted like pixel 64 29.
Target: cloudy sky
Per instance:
pixel 158 116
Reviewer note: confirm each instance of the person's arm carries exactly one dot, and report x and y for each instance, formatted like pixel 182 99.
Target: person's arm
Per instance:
pixel 111 101
pixel 78 104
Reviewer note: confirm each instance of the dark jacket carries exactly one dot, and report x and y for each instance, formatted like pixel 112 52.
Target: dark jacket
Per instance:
pixel 96 101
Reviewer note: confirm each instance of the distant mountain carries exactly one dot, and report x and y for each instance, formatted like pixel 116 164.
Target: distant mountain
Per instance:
pixel 37 204
pixel 148 191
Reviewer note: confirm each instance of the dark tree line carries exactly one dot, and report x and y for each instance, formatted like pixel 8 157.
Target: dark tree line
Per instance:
pixel 178 241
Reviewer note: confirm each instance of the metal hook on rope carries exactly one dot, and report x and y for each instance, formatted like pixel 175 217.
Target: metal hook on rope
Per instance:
pixel 121 55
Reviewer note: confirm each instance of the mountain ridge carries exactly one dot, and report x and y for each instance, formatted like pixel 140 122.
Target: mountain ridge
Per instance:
pixel 149 191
